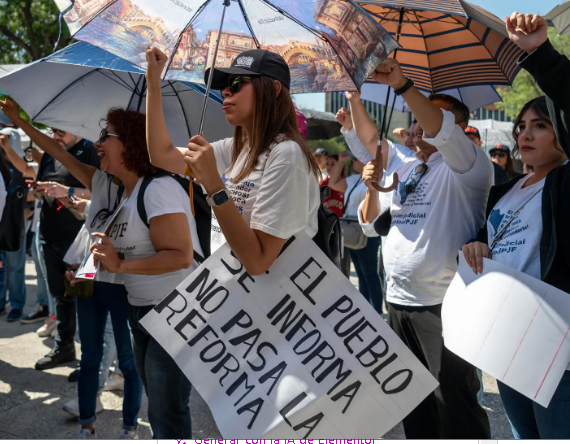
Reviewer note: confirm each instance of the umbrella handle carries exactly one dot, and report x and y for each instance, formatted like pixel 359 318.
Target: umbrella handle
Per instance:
pixel 379 159
pixel 390 188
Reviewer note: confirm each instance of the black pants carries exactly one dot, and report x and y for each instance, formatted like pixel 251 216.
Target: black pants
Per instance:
pixel 452 410
pixel 166 386
pixel 65 311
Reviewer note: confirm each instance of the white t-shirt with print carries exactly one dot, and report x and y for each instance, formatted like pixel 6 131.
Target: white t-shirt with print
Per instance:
pixel 356 188
pixel 131 236
pixel 281 197
pixel 104 199
pixel 430 226
pixel 3 195
pixel 519 247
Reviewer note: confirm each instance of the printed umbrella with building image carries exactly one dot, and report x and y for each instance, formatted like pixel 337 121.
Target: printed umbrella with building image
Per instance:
pixel 447 44
pixel 329 45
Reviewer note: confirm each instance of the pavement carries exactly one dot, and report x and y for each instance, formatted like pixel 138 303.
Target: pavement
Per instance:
pixel 31 401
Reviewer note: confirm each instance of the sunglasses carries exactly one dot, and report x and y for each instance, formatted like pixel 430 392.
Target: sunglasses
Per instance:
pixel 414 178
pixel 57 132
pixel 234 83
pixel 499 154
pixel 104 135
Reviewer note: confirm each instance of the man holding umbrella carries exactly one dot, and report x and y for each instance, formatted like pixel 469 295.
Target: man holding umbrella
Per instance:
pixel 440 200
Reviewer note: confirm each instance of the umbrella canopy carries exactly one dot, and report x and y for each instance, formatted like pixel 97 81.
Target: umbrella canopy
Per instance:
pixel 4 69
pixel 329 45
pixel 74 88
pixel 321 125
pixel 448 43
pixel 560 18
pixel 474 97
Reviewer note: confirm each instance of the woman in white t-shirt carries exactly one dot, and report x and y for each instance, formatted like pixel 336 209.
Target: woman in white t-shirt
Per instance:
pixel 140 265
pixel 519 224
pixel 266 169
pixel 365 260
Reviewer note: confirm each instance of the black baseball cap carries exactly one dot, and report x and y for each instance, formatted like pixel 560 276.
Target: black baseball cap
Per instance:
pixel 255 62
pixel 500 147
pixel 474 131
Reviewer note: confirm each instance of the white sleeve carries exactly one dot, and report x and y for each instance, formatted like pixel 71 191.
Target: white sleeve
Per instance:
pixel 368 229
pixel 3 195
pixel 284 205
pixel 356 146
pixel 164 196
pixel 223 153
pixel 398 155
pixel 467 161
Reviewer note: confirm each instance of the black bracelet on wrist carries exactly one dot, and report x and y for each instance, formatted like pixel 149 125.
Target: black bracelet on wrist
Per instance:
pixel 404 88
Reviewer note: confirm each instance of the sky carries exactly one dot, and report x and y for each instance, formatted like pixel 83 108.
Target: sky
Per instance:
pixel 500 8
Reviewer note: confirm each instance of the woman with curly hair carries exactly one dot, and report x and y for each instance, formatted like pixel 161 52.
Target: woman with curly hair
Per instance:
pixel 140 261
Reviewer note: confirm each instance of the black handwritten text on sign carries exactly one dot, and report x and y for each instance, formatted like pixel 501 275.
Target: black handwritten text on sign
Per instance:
pixel 294 353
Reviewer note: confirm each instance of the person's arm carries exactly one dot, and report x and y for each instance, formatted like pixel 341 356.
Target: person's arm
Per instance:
pixel 336 182
pixel 19 162
pixel 374 211
pixel 365 129
pixel 82 172
pixel 162 152
pixel 170 236
pixel 427 114
pixel 469 163
pixel 550 69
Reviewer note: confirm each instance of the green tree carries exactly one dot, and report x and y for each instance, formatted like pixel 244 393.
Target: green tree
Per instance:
pixel 29 30
pixel 524 87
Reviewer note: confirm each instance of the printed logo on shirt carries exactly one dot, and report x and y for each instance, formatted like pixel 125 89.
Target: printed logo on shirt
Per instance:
pixel 495 219
pixel 118 230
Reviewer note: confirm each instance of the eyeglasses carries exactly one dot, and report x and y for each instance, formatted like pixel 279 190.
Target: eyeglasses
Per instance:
pixel 499 154
pixel 414 178
pixel 234 83
pixel 104 134
pixel 57 132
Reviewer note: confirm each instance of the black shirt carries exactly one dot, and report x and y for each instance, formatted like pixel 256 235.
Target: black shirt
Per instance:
pixel 500 174
pixel 62 225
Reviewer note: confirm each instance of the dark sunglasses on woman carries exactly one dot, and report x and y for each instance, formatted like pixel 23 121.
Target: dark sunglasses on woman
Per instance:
pixel 104 135
pixel 498 154
pixel 234 83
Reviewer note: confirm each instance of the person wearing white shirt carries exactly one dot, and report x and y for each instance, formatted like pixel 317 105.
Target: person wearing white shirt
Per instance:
pixel 527 217
pixel 438 205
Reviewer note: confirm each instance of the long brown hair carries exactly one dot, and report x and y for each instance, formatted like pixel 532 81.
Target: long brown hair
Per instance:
pixel 272 116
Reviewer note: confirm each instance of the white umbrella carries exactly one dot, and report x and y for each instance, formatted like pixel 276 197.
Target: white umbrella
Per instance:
pixel 560 18
pixel 74 88
pixel 474 97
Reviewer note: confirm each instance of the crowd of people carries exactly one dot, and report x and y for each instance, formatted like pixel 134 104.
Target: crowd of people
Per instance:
pixel 124 199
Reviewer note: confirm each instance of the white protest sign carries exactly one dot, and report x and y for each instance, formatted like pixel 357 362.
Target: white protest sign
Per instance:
pixel 294 353
pixel 87 269
pixel 510 325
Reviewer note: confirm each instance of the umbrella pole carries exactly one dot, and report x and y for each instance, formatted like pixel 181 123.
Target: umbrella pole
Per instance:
pixel 141 96
pixel 205 106
pixel 384 127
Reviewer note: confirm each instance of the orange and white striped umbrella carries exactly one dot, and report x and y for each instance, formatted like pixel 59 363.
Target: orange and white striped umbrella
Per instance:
pixel 447 43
